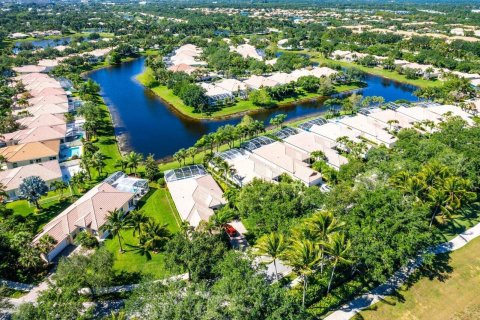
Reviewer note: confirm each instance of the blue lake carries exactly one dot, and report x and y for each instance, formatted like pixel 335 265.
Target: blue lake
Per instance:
pixel 146 124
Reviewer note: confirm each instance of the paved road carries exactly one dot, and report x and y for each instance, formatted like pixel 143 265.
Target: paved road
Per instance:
pixel 347 311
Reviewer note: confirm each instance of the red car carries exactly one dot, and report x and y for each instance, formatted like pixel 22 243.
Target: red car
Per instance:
pixel 230 230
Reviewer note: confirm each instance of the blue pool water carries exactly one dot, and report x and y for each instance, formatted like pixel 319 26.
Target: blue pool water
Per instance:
pixel 67 153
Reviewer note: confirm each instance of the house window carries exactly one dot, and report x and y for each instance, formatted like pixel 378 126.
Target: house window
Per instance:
pixel 53 158
pixel 31 161
pixel 15 165
pixel 38 160
pixel 130 203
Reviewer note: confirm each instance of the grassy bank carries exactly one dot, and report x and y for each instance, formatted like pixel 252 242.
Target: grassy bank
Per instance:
pixel 453 292
pixel 242 106
pixel 378 71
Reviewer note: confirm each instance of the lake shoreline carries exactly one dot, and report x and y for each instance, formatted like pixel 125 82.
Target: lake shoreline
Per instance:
pixel 145 123
pixel 237 114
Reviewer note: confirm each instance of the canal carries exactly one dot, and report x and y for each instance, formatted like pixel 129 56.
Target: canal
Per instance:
pixel 147 125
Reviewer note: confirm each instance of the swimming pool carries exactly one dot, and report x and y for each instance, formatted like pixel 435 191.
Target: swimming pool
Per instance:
pixel 69 152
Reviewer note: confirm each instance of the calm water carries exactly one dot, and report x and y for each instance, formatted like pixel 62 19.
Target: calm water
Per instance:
pixel 148 125
pixel 44 43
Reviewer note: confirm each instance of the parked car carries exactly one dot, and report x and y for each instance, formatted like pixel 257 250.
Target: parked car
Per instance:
pixel 230 230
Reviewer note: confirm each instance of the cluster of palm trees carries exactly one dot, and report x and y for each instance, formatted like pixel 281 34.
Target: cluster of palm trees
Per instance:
pixel 225 169
pixel 130 161
pixel 356 149
pixel 436 186
pixel 316 244
pixel 229 134
pixel 95 160
pixel 150 234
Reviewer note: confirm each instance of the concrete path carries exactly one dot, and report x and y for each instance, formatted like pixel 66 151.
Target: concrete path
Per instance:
pixel 348 310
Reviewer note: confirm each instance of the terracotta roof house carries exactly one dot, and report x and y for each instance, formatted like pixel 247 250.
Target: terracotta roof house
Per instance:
pixel 12 178
pixel 257 82
pixel 48 92
pixel 87 213
pixel 196 197
pixel 248 167
pixel 371 129
pixel 182 67
pixel 42 120
pixel 310 142
pixel 28 153
pixel 290 160
pixel 44 133
pixel 29 69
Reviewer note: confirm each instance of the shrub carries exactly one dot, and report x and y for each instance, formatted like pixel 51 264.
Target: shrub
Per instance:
pixel 87 240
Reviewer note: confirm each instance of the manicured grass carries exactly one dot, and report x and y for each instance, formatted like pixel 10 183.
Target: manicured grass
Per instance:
pixel 158 205
pixel 242 106
pixel 393 75
pixel 49 210
pixel 454 289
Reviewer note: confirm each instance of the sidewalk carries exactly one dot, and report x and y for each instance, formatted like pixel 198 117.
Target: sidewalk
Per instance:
pixel 350 309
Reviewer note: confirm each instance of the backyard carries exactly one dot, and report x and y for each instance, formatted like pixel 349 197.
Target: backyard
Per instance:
pixel 157 204
pixel 453 292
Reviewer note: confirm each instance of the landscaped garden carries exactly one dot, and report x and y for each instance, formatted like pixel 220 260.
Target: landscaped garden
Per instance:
pixel 158 205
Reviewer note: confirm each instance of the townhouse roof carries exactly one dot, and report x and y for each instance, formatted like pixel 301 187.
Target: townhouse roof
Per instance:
pixel 289 159
pixel 47 171
pixel 195 197
pixel 42 120
pixel 31 150
pixel 91 210
pixel 44 133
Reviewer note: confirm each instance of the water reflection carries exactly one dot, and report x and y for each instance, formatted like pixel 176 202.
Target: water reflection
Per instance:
pixel 147 125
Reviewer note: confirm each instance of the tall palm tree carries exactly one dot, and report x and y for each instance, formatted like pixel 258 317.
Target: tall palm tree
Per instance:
pixel 86 164
pixel 114 224
pixel 302 255
pixel 457 191
pixel 136 220
pixel 272 245
pixel 323 225
pixel 134 159
pixel 338 251
pixel 98 161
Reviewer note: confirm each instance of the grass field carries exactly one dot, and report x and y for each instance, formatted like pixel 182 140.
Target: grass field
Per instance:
pixel 242 106
pixel 393 75
pixel 452 293
pixel 158 205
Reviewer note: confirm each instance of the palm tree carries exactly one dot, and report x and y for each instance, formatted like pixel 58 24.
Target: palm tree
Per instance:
pixel 323 225
pixel 134 159
pixel 114 224
pixel 318 155
pixel 137 219
pixel 272 245
pixel 457 191
pixel 302 255
pixel 152 239
pixel 46 244
pixel 122 163
pixel 86 164
pixel 98 161
pixel 338 250
pixel 192 152
pixel 226 168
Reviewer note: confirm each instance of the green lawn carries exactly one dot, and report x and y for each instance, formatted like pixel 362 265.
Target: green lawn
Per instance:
pixel 242 106
pixel 393 75
pixel 50 209
pixel 158 204
pixel 451 294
